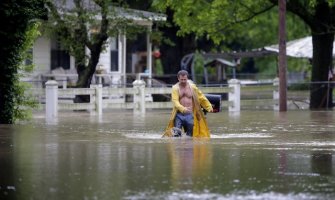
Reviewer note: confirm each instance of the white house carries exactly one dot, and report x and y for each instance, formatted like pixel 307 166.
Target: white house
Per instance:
pixel 116 62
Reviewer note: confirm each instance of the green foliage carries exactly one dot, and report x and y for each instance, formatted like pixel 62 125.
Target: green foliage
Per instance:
pixel 156 37
pixel 213 19
pixel 236 26
pixel 24 100
pixel 158 67
pixel 199 63
pixel 18 30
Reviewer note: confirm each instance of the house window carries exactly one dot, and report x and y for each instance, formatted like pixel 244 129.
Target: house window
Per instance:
pixel 114 54
pixel 59 56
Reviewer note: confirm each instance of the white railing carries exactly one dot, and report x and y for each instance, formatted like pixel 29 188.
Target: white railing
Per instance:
pixel 114 98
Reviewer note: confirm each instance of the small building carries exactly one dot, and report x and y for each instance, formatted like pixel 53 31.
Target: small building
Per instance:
pixel 221 67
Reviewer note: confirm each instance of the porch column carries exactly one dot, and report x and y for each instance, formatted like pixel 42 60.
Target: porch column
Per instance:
pixel 122 56
pixel 149 56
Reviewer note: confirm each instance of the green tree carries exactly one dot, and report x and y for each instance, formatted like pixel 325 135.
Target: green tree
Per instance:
pixel 214 19
pixel 19 18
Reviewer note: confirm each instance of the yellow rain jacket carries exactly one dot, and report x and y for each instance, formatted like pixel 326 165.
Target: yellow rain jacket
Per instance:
pixel 200 127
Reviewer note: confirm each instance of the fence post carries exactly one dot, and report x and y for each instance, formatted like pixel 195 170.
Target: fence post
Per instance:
pixel 51 101
pixel 139 96
pixel 276 94
pixel 234 95
pixel 97 98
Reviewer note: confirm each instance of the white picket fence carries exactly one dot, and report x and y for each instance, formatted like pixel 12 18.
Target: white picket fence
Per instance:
pixel 114 98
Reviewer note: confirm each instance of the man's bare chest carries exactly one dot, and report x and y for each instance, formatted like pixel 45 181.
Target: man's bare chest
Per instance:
pixel 185 92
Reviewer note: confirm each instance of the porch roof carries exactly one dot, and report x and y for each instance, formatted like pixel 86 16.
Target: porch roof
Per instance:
pixel 139 16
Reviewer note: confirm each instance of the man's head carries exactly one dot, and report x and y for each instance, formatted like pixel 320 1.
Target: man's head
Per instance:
pixel 182 76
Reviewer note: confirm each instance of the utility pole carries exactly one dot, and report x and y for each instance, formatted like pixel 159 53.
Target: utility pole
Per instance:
pixel 282 56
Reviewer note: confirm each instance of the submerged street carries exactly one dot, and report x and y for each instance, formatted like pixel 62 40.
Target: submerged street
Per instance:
pixel 251 155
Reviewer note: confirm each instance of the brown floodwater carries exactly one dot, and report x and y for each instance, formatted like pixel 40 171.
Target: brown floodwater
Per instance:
pixel 119 155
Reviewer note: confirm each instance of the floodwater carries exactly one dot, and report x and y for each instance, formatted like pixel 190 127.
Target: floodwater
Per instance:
pixel 251 155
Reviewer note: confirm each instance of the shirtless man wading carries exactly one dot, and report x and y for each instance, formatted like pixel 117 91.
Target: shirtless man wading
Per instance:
pixel 185 93
pixel 185 119
pixel 188 102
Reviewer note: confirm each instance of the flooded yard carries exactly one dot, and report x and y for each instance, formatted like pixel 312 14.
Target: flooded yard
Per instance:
pixel 251 155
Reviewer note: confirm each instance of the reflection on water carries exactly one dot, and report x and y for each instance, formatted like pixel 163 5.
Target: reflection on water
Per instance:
pixel 322 162
pixel 191 161
pixel 251 155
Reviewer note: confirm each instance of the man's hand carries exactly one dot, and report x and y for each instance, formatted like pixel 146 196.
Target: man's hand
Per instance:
pixel 188 110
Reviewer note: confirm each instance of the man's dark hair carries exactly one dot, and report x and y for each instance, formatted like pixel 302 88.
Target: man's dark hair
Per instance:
pixel 182 73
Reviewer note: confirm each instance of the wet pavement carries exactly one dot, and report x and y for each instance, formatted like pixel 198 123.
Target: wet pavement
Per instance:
pixel 251 155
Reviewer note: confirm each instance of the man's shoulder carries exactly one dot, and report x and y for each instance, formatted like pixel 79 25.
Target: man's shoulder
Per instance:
pixel 193 85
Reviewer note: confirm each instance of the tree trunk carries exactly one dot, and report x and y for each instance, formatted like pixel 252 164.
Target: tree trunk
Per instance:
pixel 81 83
pixel 85 73
pixel 322 62
pixel 323 38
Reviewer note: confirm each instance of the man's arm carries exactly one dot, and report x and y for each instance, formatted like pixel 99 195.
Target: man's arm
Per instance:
pixel 203 100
